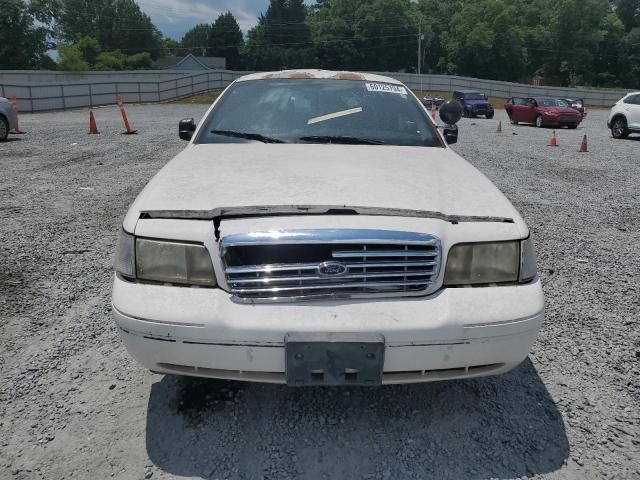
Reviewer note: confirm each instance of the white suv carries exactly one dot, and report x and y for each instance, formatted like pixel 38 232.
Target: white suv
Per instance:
pixel 318 230
pixel 624 117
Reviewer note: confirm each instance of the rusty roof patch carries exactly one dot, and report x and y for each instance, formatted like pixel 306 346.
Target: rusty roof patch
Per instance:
pixel 348 76
pixel 301 75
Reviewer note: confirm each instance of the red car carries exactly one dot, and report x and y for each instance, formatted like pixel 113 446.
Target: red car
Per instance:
pixel 543 112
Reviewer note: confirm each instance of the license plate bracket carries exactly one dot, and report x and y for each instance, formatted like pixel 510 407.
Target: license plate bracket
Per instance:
pixel 334 359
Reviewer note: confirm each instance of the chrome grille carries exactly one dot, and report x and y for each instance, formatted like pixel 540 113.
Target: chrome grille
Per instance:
pixel 299 263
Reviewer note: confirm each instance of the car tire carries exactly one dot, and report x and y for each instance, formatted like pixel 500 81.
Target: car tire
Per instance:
pixel 573 127
pixel 466 113
pixel 539 121
pixel 489 115
pixel 4 129
pixel 619 128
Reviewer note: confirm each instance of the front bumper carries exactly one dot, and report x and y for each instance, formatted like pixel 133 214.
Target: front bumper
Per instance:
pixel 454 333
pixel 480 110
pixel 557 122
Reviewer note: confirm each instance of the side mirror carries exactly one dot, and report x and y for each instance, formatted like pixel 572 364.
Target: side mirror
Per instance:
pixel 450 133
pixel 451 113
pixel 186 127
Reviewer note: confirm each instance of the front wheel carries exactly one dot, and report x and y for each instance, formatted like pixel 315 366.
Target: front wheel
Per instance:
pixel 619 128
pixel 573 127
pixel 539 121
pixel 4 129
pixel 489 115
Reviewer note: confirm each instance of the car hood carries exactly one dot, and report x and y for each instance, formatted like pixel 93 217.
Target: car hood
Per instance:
pixel 212 179
pixel 559 110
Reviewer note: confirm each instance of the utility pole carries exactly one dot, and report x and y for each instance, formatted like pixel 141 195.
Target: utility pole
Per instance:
pixel 420 37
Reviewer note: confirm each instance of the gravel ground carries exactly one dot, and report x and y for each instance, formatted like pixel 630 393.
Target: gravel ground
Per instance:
pixel 74 405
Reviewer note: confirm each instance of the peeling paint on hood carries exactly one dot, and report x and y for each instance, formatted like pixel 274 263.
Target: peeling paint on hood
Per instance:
pixel 211 179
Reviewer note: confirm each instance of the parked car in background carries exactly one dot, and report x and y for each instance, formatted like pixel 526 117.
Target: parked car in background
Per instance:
pixel 578 104
pixel 8 118
pixel 428 101
pixel 318 230
pixel 624 117
pixel 542 112
pixel 474 103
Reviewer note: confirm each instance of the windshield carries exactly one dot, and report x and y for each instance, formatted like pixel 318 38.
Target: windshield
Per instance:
pixel 552 102
pixel 475 96
pixel 319 111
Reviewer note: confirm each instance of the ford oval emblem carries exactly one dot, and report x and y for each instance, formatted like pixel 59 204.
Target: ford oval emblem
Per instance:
pixel 331 269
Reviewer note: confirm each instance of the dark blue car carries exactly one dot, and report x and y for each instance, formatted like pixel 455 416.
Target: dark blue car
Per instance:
pixel 473 103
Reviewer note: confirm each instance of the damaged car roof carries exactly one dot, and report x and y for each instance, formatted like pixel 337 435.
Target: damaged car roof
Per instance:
pixel 319 74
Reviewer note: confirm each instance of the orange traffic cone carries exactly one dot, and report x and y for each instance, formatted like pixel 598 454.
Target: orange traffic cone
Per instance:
pixel 499 129
pixel 583 146
pixel 14 106
pixel 433 111
pixel 93 128
pixel 553 141
pixel 129 131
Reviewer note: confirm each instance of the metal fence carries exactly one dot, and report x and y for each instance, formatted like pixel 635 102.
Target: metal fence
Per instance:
pixel 495 88
pixel 38 97
pixel 156 86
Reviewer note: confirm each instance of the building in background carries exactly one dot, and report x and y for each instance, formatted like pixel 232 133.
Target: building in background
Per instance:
pixel 191 62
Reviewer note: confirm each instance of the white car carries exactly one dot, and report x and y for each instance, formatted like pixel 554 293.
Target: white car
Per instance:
pixel 318 230
pixel 624 116
pixel 8 118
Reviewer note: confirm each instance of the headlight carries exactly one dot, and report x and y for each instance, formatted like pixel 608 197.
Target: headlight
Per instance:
pixel 173 262
pixel 164 261
pixel 528 268
pixel 125 263
pixel 482 263
pixel 492 262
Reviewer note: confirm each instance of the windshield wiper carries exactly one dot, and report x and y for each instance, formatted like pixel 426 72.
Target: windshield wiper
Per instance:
pixel 341 139
pixel 248 136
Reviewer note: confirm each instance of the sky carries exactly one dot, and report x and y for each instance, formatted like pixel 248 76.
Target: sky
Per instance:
pixel 175 17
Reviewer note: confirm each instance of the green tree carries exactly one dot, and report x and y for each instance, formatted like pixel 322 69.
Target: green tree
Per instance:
pixel 629 13
pixel 575 29
pixel 138 61
pixel 434 17
pixel 609 60
pixel 89 49
pixel 171 46
pixel 226 40
pixel 86 54
pixel 23 43
pixel 281 39
pixel 116 24
pixel 387 35
pixel 484 41
pixel 630 74
pixel 71 59
pixel 115 60
pixel 196 40
pixel 372 35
